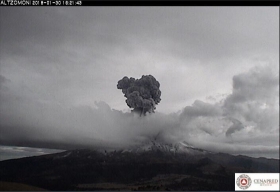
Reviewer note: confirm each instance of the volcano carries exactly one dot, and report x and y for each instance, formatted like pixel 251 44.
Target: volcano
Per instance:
pixel 151 166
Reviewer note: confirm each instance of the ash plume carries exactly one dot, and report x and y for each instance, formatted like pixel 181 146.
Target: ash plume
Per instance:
pixel 245 122
pixel 142 94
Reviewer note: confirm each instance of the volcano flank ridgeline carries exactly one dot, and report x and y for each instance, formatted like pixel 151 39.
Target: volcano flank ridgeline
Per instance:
pixel 153 167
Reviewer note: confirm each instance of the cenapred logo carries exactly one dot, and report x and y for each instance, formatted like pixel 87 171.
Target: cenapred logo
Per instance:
pixel 257 181
pixel 243 181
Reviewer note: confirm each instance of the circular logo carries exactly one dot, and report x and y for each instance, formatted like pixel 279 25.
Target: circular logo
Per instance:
pixel 243 181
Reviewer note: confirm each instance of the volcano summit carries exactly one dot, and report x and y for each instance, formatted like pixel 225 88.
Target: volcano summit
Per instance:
pixel 151 166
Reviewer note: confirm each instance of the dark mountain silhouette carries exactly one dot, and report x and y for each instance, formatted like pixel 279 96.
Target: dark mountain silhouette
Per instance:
pixel 153 166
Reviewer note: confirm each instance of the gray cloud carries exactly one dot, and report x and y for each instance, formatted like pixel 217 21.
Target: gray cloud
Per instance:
pixel 53 51
pixel 26 122
pixel 2 80
pixel 255 98
pixel 56 62
pixel 237 126
pixel 260 84
pixel 200 108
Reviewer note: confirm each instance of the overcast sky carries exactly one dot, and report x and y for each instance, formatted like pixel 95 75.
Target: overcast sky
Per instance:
pixel 218 69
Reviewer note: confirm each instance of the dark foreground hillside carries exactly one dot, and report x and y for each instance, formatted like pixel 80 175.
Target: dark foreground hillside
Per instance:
pixel 152 170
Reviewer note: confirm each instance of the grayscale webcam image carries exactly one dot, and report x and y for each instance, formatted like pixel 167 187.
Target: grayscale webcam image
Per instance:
pixel 137 98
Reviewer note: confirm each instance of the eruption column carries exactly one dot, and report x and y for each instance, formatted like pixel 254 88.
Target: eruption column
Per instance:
pixel 142 94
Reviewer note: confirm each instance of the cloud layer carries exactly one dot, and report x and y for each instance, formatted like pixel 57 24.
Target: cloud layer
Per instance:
pixel 74 55
pixel 59 69
pixel 244 122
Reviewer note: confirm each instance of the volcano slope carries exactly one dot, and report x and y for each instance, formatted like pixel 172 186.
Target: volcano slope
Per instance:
pixel 153 168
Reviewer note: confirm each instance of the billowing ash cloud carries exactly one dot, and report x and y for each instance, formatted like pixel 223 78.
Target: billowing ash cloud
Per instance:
pixel 248 126
pixel 142 94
